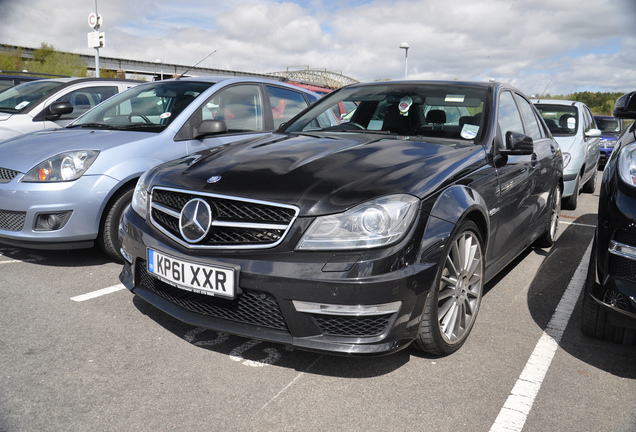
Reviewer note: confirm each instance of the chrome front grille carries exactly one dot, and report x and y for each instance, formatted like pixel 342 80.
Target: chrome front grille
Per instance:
pixel 237 222
pixel 6 175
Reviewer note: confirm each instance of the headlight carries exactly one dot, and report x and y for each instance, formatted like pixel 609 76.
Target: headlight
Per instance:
pixel 376 223
pixel 627 164
pixel 63 167
pixel 140 197
pixel 567 157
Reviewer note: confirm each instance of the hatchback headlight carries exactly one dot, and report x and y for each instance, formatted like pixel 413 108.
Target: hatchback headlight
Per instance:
pixel 67 166
pixel 140 197
pixel 627 164
pixel 379 222
pixel 567 157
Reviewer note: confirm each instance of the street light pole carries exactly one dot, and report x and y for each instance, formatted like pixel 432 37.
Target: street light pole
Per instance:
pixel 96 48
pixel 405 46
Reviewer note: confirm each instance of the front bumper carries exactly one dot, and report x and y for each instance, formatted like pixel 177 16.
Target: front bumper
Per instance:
pixel 616 252
pixel 23 207
pixel 280 294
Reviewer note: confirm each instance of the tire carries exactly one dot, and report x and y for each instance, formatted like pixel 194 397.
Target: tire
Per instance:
pixel 552 224
pixel 594 318
pixel 571 202
pixel 452 305
pixel 590 185
pixel 109 232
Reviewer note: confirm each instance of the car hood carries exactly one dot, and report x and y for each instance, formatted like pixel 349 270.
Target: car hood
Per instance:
pixel 23 152
pixel 566 143
pixel 321 174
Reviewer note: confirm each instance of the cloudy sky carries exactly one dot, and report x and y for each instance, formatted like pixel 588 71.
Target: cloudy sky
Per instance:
pixel 566 45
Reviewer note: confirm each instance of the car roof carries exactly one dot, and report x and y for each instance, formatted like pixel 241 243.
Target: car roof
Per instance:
pixel 605 117
pixel 484 84
pixel 557 102
pixel 20 77
pixel 73 80
pixel 235 79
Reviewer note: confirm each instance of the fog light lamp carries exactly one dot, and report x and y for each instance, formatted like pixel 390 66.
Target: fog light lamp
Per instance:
pixel 51 221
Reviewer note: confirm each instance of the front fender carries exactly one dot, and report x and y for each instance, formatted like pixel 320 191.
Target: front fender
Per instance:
pixel 450 208
pixel 127 170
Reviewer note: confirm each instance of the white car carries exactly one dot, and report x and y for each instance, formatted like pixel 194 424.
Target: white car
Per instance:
pixel 573 126
pixel 53 103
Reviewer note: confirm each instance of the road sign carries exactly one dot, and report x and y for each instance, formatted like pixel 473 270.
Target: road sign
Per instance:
pixel 94 20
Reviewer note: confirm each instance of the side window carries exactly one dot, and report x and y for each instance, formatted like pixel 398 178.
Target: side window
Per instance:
pixel 532 126
pixel 285 104
pixel 509 117
pixel 239 106
pixel 86 98
pixel 589 120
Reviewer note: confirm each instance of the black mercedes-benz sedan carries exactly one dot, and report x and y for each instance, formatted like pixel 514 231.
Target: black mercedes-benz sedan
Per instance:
pixel 354 233
pixel 609 299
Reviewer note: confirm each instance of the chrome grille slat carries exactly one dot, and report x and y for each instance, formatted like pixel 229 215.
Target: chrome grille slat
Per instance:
pixel 237 222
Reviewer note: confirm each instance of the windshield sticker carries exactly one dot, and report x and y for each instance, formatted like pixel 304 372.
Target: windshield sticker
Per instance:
pixel 21 105
pixel 454 98
pixel 469 131
pixel 165 115
pixel 405 105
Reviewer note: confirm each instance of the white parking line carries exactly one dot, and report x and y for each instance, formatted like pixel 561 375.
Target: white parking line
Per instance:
pixel 98 293
pixel 514 413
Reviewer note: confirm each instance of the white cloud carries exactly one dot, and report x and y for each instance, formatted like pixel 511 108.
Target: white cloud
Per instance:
pixel 575 45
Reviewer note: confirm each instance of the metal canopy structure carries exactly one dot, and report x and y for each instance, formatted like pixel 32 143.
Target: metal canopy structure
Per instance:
pixel 130 68
pixel 321 77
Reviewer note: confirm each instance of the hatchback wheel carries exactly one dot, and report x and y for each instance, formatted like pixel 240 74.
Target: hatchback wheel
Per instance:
pixel 452 305
pixel 590 185
pixel 571 202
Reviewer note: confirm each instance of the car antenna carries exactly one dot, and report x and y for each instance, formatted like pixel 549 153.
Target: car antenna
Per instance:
pixel 195 65
pixel 544 90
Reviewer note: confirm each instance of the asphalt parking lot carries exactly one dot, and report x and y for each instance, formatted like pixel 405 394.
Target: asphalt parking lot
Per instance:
pixel 81 353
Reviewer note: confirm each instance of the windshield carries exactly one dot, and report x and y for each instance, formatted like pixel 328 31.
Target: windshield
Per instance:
pixel 17 99
pixel 404 109
pixel 148 107
pixel 561 119
pixel 608 124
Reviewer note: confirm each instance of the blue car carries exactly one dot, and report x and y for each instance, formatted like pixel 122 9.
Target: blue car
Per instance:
pixel 611 128
pixel 67 188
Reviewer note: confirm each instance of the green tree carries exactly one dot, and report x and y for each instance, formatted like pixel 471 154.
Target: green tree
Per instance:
pixel 12 61
pixel 47 60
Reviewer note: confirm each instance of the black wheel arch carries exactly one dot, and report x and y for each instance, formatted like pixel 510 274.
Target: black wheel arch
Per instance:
pixel 131 183
pixel 450 208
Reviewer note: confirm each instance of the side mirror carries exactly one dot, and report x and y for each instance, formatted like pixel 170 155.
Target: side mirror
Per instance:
pixel 625 106
pixel 210 127
pixel 58 109
pixel 593 133
pixel 518 144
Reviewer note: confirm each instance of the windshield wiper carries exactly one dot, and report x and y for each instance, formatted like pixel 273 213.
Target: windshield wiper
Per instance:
pixel 141 126
pixel 9 110
pixel 92 125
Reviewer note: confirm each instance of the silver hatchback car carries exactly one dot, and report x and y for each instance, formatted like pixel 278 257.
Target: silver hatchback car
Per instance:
pixel 573 127
pixel 66 188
